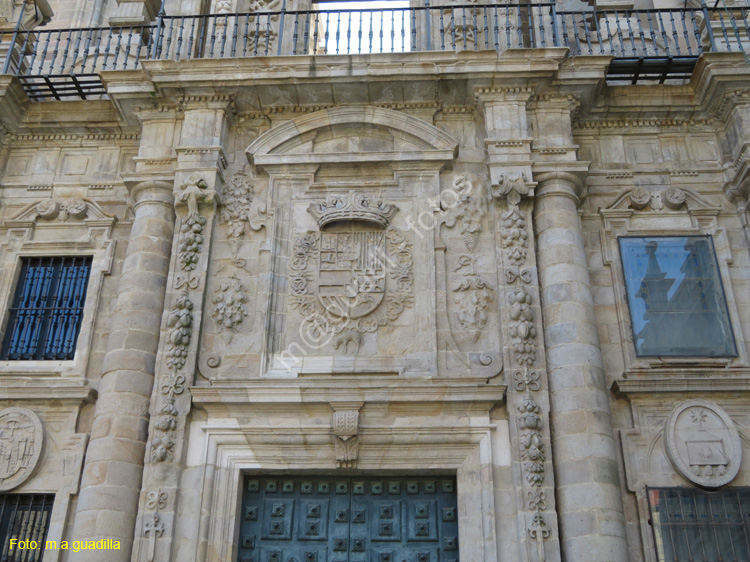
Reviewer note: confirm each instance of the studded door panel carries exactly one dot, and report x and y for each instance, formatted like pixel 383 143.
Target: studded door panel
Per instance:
pixel 302 519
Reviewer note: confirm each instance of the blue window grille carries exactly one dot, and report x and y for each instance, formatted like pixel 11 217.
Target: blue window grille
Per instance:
pixel 45 317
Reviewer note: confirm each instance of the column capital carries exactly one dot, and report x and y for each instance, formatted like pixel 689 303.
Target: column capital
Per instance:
pixel 150 189
pixel 567 180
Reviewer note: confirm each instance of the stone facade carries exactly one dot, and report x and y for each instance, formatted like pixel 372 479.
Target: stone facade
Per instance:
pixel 400 264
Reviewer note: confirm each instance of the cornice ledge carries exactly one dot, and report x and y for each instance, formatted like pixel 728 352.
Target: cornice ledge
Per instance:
pixel 324 390
pixel 45 388
pixel 677 381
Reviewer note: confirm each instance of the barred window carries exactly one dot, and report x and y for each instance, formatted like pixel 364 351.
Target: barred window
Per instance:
pixel 24 517
pixel 692 524
pixel 45 316
pixel 676 299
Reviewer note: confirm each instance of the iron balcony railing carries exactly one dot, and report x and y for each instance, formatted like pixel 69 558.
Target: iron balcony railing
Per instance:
pixel 62 62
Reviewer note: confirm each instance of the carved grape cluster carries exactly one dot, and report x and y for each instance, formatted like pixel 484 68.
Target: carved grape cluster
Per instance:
pixel 515 236
pixel 180 323
pixel 190 241
pixel 522 329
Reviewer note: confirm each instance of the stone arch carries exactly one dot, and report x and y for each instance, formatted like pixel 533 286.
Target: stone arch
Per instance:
pixel 394 135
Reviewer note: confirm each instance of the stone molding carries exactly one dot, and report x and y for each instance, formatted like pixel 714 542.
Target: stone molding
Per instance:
pixel 697 216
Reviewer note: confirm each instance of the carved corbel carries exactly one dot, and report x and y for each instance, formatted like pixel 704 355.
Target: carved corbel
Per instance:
pixel 513 187
pixel 192 193
pixel 345 435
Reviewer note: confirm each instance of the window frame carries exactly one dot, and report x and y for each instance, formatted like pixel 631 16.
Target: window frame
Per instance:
pixel 28 237
pixel 720 282
pixel 58 264
pixel 698 219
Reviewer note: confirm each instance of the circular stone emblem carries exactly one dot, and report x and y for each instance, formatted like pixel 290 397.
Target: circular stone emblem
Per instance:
pixel 703 444
pixel 21 437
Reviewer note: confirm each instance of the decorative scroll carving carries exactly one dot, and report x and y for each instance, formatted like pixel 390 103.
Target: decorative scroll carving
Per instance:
pixel 229 304
pixel 531 440
pixel 703 444
pixel 21 439
pixel 353 206
pixel 356 280
pixel 473 296
pixel 523 330
pixel 50 209
pixel 346 442
pixel 469 212
pixel 61 209
pixel 673 197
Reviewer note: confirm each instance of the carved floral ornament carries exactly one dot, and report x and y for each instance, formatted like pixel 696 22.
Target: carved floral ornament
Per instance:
pixel 702 443
pixel 21 439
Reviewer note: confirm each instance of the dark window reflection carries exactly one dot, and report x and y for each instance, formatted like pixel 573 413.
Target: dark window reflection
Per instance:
pixel 676 300
pixel 691 524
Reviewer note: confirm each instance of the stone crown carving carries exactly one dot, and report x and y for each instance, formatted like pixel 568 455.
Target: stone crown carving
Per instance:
pixel 353 206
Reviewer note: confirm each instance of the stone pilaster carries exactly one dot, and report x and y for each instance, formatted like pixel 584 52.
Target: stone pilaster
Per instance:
pixel 589 500
pixel 509 161
pixel 112 473
pixel 200 162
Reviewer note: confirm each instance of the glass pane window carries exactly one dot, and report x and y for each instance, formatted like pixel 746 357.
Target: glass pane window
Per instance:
pixel 24 517
pixel 675 295
pixel 45 316
pixel 692 524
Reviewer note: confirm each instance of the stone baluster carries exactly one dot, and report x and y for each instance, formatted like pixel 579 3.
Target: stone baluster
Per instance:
pixel 589 500
pixel 111 482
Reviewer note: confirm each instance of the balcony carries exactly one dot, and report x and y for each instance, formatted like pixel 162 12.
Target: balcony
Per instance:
pixel 654 45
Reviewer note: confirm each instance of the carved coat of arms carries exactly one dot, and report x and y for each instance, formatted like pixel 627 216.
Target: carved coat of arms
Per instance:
pixel 702 443
pixel 355 274
pixel 21 437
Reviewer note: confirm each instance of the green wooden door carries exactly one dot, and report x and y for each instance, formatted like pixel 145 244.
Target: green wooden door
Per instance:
pixel 320 519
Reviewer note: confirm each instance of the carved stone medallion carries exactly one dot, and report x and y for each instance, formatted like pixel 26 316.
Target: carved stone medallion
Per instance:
pixel 21 438
pixel 352 279
pixel 703 444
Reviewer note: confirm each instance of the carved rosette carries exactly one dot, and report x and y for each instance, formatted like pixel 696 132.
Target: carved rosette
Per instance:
pixel 21 440
pixel 673 198
pixel 703 444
